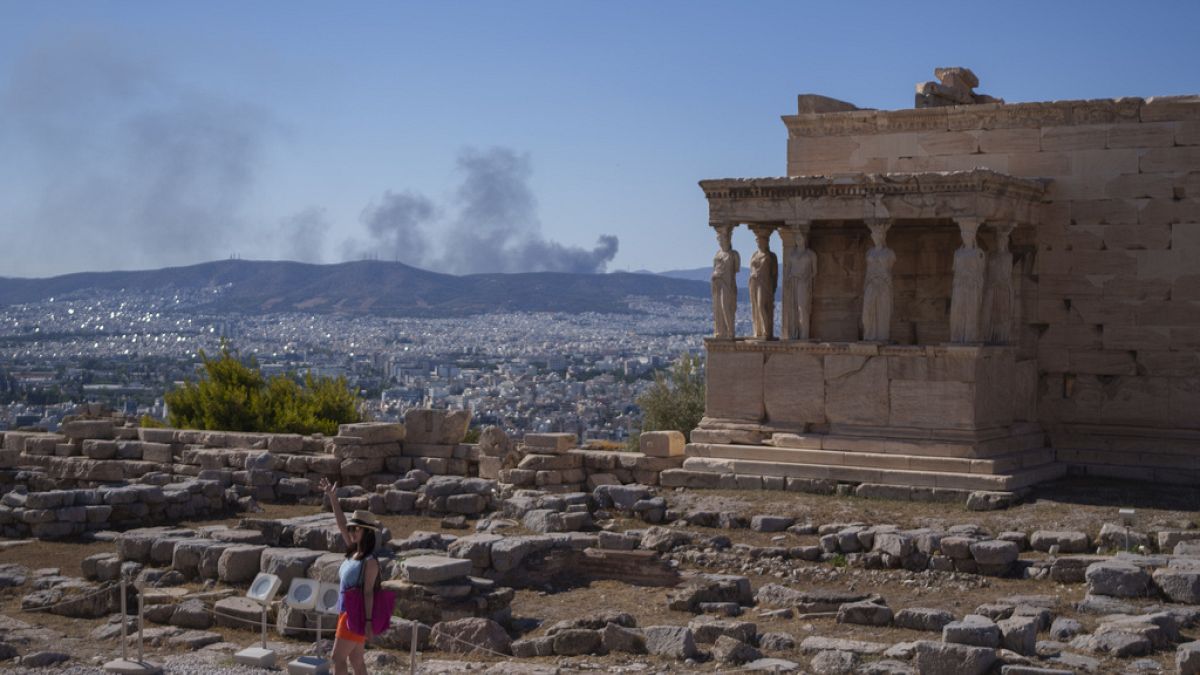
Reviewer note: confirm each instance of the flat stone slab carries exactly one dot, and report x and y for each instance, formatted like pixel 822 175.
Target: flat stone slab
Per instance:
pixel 432 569
pixel 819 644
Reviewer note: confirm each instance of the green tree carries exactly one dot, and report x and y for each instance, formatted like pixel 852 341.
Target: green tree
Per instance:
pixel 676 399
pixel 230 395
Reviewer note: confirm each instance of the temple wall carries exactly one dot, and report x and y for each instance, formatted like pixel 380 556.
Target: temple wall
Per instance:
pixel 1109 292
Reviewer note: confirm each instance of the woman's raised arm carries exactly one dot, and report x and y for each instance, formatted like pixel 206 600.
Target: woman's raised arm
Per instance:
pixel 330 491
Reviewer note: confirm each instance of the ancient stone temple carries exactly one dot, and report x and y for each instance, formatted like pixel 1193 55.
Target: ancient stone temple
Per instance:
pixel 974 295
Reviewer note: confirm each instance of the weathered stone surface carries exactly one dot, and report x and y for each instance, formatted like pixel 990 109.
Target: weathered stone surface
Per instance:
pixel 432 569
pixel 920 618
pixel 620 639
pixel 710 588
pixel 288 563
pixel 1067 542
pixel 670 641
pixel 240 613
pixel 834 662
pixel 975 630
pixel 239 563
pixel 937 658
pixel 706 630
pixel 733 651
pixel 576 642
pixel 373 432
pixel 195 639
pixel 470 636
pixel 814 644
pixel 995 553
pixel 817 600
pixel 191 614
pixel 776 642
pixel 865 613
pixel 1064 629
pixel 661 443
pixel 1187 658
pixel 768 523
pixel 1019 634
pixel 1117 579
pixel 1179 584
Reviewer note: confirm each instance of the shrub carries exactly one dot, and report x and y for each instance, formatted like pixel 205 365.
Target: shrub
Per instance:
pixel 233 396
pixel 675 402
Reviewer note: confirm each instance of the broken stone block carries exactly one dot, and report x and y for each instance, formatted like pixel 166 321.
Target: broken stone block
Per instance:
pixel 1117 579
pixel 865 614
pixel 431 569
pixel 942 658
pixel 1067 542
pixel 975 630
pixel 1019 634
pixel 674 642
pixel 732 651
pixel 661 443
pixel 920 618
pixel 470 636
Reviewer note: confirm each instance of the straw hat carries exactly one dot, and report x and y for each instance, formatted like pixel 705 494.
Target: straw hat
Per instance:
pixel 363 518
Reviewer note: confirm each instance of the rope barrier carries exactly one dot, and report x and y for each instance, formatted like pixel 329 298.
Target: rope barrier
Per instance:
pixel 71 601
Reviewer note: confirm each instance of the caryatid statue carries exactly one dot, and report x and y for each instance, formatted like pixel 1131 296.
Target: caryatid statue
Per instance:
pixel 966 298
pixel 764 276
pixel 799 271
pixel 998 301
pixel 726 265
pixel 877 286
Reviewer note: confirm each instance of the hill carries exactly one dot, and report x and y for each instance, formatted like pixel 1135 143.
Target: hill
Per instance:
pixel 365 287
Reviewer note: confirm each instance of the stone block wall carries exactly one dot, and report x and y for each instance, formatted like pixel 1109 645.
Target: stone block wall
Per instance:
pixel 57 514
pixel 1109 294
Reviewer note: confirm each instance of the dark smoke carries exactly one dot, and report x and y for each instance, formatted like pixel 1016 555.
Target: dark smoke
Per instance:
pixel 303 235
pixel 495 227
pixel 122 167
pixel 395 225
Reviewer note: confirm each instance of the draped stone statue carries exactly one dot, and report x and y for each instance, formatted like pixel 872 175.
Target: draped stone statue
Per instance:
pixel 877 287
pixel 764 276
pixel 998 297
pixel 799 271
pixel 966 298
pixel 726 265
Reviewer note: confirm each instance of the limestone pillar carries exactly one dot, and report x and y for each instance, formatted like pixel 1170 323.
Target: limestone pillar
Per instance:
pixel 998 295
pixel 764 277
pixel 966 298
pixel 799 273
pixel 877 284
pixel 726 265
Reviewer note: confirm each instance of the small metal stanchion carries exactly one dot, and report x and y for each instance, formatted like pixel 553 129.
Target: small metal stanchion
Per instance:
pixel 125 623
pixel 141 619
pixel 412 654
pixel 123 665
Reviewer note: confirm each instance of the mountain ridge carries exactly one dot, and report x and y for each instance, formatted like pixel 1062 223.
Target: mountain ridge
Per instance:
pixel 366 287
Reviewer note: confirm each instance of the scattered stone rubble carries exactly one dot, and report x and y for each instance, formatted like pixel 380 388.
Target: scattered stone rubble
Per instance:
pixel 456 592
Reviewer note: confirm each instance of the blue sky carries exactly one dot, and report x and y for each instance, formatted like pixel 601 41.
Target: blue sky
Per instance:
pixel 145 134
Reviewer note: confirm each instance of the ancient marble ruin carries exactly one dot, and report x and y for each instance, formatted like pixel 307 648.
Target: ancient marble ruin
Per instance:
pixel 975 295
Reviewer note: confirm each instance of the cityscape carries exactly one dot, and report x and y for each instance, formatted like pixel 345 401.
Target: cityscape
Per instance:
pixel 525 372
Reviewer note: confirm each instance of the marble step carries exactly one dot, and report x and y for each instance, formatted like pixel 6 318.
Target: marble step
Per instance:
pixel 1027 440
pixel 762 453
pixel 861 474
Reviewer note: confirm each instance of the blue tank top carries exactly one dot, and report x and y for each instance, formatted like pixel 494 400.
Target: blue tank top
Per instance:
pixel 350 575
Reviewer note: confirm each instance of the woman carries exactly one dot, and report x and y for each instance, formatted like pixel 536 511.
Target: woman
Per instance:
pixel 359 570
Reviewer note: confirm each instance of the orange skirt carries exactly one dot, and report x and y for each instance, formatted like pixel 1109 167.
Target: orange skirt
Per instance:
pixel 344 633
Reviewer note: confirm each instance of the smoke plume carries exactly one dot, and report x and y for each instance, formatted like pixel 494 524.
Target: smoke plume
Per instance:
pixel 395 225
pixel 303 235
pixel 494 228
pixel 120 166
